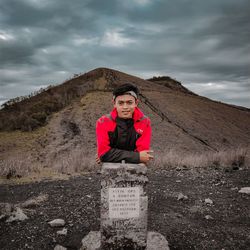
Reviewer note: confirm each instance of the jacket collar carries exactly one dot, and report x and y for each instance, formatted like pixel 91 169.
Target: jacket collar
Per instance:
pixel 138 114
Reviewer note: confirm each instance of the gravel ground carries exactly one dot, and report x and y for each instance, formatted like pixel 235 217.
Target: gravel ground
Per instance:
pixel 183 222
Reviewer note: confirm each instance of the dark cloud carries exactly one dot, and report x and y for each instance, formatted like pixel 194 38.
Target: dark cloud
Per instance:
pixel 204 44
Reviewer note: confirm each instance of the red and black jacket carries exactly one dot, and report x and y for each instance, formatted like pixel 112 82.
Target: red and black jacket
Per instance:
pixel 122 139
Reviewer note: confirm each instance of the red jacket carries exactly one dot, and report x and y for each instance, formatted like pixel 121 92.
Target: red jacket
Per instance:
pixel 107 124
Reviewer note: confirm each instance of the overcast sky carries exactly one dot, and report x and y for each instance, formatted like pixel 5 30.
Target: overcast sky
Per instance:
pixel 203 44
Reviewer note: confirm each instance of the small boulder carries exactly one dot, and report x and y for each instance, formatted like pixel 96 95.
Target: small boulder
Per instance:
pixel 35 201
pixel 245 190
pixel 5 210
pixel 181 196
pixel 209 217
pixel 59 247
pixel 17 215
pixel 156 241
pixel 57 223
pixel 64 231
pixel 208 201
pixel 92 241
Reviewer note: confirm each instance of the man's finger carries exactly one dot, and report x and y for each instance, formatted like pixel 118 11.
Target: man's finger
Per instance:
pixel 151 156
pixel 149 151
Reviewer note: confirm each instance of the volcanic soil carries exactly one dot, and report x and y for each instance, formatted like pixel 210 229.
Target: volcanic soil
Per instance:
pixel 187 222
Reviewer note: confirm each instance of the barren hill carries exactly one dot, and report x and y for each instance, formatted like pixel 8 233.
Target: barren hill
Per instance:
pixel 62 119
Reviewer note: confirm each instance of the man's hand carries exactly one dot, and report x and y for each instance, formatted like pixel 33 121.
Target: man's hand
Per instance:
pixel 145 156
pixel 97 159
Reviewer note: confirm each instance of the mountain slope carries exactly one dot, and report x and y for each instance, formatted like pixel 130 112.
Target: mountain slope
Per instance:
pixel 181 120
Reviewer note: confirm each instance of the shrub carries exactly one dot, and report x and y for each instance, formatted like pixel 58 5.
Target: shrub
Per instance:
pixel 29 124
pixel 41 117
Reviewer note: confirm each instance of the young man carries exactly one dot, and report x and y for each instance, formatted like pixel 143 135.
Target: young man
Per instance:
pixel 125 133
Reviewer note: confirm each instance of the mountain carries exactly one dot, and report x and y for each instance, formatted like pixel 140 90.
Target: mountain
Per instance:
pixel 58 123
pixel 170 83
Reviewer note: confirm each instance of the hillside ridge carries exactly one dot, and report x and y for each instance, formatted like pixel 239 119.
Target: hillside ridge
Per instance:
pixel 37 109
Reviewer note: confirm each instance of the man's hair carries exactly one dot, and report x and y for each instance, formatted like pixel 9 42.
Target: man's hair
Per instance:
pixel 126 88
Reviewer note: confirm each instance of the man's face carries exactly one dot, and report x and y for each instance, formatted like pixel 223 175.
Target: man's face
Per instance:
pixel 125 106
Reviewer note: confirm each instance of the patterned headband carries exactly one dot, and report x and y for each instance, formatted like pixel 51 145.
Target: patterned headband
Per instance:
pixel 128 93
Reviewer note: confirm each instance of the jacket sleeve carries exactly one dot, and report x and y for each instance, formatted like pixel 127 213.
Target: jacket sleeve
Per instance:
pixel 102 138
pixel 143 142
pixel 117 155
pixel 108 154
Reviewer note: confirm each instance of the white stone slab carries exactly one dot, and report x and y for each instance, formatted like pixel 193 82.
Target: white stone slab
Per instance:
pixel 124 203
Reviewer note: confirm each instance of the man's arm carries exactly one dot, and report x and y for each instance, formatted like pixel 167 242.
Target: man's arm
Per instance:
pixel 143 142
pixel 117 155
pixel 102 138
pixel 108 154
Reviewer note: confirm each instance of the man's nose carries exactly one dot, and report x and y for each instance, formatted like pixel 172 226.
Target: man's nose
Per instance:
pixel 125 105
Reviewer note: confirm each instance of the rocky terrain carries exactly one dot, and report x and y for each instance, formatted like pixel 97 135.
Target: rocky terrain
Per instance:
pixel 192 208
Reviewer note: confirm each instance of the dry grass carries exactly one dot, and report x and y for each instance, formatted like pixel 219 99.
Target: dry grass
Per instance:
pixel 79 162
pixel 20 169
pixel 234 158
pixel 18 140
pixel 16 166
pixel 76 162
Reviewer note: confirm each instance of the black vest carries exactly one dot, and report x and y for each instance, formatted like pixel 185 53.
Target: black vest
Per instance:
pixel 124 136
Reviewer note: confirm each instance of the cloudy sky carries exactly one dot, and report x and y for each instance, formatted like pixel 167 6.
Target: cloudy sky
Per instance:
pixel 203 44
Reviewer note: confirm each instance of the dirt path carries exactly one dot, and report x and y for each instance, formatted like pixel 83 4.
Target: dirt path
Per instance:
pixel 182 222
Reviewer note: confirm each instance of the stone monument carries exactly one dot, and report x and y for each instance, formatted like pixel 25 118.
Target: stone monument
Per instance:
pixel 124 211
pixel 124 206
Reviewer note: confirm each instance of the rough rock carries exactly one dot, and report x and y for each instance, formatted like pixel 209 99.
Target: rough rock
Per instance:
pixel 64 231
pixel 17 215
pixel 59 247
pixel 34 201
pixel 209 217
pixel 155 241
pixel 92 241
pixel 208 201
pixel 57 223
pixel 181 196
pixel 5 210
pixel 245 190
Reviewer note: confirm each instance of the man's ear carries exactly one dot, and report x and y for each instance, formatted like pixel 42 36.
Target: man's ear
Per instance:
pixel 137 102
